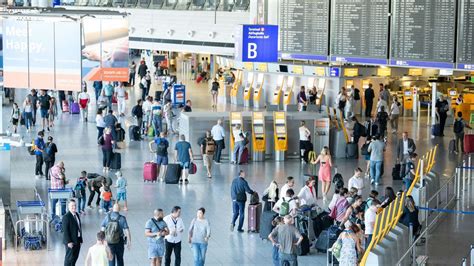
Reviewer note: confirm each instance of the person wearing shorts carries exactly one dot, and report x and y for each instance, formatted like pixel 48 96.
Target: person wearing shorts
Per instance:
pixel 184 156
pixel 161 150
pixel 44 104
pixel 156 230
pixel 121 186
pixel 207 152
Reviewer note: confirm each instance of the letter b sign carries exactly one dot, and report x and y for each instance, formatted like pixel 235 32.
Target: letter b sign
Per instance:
pixel 252 51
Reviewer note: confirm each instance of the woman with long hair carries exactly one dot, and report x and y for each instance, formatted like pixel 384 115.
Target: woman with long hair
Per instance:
pixel 410 215
pixel 324 170
pixel 389 197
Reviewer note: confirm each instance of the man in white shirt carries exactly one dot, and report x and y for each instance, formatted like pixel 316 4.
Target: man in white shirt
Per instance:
pixel 369 221
pixel 290 183
pixel 357 181
pixel 291 202
pixel 147 105
pixel 120 95
pixel 218 134
pixel 305 142
pixel 239 144
pixel 173 239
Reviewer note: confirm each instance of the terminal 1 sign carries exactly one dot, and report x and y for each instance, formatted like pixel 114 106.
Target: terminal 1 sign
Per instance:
pixel 257 43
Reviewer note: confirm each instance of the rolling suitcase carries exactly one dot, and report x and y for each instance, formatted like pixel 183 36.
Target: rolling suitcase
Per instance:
pixel 150 172
pixel 65 106
pixel 468 143
pixel 116 162
pixel 396 172
pixel 134 133
pixel 254 213
pixel 303 248
pixel 173 173
pixel 436 130
pixel 158 95
pixel 352 151
pixel 452 146
pixel 75 108
pixel 244 159
pixel 266 225
pixel 199 79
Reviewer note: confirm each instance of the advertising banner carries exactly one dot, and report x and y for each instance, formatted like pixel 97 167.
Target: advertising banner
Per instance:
pixel 41 54
pixel 15 54
pixel 105 49
pixel 67 43
pixel 257 43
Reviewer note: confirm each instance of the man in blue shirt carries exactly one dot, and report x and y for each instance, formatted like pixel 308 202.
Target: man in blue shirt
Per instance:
pixel 155 231
pixel 39 149
pixel 117 249
pixel 98 88
pixel 184 156
pixel 161 150
pixel 238 192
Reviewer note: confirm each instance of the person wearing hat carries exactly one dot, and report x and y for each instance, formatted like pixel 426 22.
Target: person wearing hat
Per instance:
pixel 49 156
pixel 121 186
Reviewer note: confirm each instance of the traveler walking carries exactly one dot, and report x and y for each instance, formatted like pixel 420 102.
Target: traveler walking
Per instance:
pixel 80 192
pixel 142 69
pixel 341 101
pixel 239 190
pixel 208 147
pixel 155 231
pixel 97 89
pixel 199 234
pixel 369 96
pixel 161 151
pixel 173 239
pixel 52 112
pixel 15 117
pixel 409 171
pixel 384 93
pixel 305 141
pixel 406 146
pixel 72 234
pixel 324 170
pixel 100 124
pixel 84 100
pixel 239 144
pixel 33 99
pixel 218 134
pixel 442 108
pixel 44 104
pixel 394 114
pixel 214 92
pixel 109 93
pixel 376 149
pixel 288 239
pixel 121 185
pixel 107 142
pixel 458 129
pixel 49 155
pixel 184 156
pixel 28 114
pixel 137 113
pixel 39 149
pixel 132 72
pixel 99 254
pixel 382 120
pixel 117 234
pixel 120 94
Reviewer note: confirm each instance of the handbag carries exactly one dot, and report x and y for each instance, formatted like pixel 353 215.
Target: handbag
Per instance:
pixel 364 150
pixel 336 249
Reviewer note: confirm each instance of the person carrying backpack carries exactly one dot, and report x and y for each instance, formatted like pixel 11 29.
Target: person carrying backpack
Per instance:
pixel 161 151
pixel 208 147
pixel 286 205
pixel 117 234
pixel 80 192
pixel 458 129
pixel 49 156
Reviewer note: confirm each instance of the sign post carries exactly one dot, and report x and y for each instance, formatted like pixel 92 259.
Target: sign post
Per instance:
pixel 257 43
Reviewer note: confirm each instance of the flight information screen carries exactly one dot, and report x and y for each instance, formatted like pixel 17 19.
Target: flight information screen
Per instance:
pixel 465 57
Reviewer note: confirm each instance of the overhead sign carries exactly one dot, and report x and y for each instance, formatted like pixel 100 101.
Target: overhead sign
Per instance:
pixel 334 72
pixel 415 72
pixel 384 72
pixel 257 43
pixel 351 72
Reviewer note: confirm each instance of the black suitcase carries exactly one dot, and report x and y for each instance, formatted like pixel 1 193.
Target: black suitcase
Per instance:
pixel 134 132
pixel 396 172
pixel 116 162
pixel 327 238
pixel 352 150
pixel 303 248
pixel 173 173
pixel 158 95
pixel 266 225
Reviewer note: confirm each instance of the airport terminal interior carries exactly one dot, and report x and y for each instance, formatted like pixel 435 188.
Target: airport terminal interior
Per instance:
pixel 309 89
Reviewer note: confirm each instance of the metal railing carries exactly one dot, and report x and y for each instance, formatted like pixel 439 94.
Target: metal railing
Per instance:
pixel 438 205
pixel 469 259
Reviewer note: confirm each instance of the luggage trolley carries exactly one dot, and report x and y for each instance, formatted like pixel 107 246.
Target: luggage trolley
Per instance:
pixel 59 194
pixel 32 225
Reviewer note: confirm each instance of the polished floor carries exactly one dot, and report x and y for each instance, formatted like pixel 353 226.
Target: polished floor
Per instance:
pixel 77 146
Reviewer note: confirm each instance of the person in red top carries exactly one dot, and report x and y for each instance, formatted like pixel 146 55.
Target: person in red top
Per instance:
pixel 58 181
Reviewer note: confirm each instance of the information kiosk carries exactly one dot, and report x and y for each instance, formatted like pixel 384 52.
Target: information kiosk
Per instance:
pixel 235 119
pixel 453 95
pixel 338 135
pixel 280 135
pixel 321 133
pixel 288 93
pixel 178 95
pixel 236 92
pixel 258 93
pixel 276 99
pixel 407 102
pixel 258 136
pixel 248 89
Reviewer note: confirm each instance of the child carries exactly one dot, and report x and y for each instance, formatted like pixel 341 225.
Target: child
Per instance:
pixel 80 192
pixel 121 186
pixel 105 197
pixel 275 251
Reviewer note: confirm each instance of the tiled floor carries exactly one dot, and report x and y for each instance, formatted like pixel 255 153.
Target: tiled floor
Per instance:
pixel 78 149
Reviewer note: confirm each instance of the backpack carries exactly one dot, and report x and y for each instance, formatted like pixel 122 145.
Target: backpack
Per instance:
pixel 210 147
pixel 161 148
pixel 134 110
pixel 341 104
pixel 458 126
pixel 113 231
pixel 78 189
pixel 360 129
pixel 254 199
pixel 285 207
pixel 338 180
pixel 32 149
pixel 356 94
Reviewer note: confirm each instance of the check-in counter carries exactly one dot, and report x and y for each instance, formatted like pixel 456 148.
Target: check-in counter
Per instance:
pixel 407 102
pixel 235 119
pixel 280 135
pixel 248 89
pixel 278 92
pixel 236 91
pixel 258 136
pixel 258 93
pixel 288 94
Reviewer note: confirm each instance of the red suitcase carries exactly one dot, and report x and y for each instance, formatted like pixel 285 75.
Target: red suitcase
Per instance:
pixel 65 106
pixel 244 158
pixel 150 172
pixel 468 143
pixel 192 169
pixel 199 79
pixel 254 213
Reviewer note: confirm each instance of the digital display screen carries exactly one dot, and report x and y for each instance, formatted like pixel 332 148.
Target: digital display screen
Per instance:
pixel 407 93
pixel 280 130
pixel 258 130
pixel 453 93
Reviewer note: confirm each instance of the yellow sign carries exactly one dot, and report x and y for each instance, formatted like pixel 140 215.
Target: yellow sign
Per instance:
pixel 351 72
pixel 384 72
pixel 349 83
pixel 415 72
pixel 262 67
pixel 298 70
pixel 248 65
pixel 320 71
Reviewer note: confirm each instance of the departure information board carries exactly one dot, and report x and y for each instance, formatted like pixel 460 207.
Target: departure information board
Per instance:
pixel 359 31
pixel 423 33
pixel 304 29
pixel 465 49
